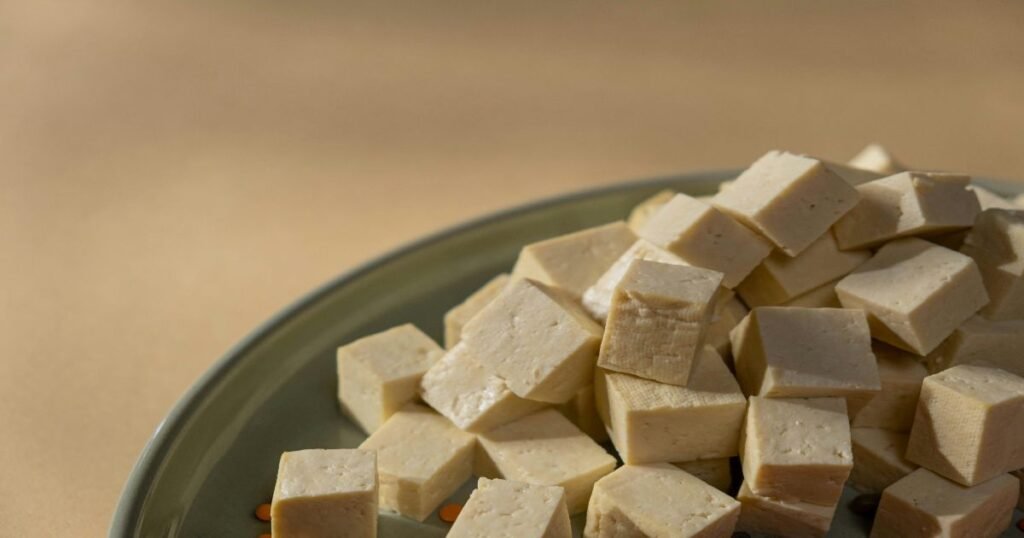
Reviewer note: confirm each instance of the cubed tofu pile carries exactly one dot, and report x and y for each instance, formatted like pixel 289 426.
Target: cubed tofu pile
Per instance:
pixel 812 326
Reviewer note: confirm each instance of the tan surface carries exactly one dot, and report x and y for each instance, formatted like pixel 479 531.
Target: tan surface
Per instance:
pixel 171 176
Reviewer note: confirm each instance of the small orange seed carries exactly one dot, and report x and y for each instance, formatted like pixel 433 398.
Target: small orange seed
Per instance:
pixel 449 512
pixel 263 512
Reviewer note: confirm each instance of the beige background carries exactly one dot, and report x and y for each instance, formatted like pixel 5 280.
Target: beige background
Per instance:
pixel 173 174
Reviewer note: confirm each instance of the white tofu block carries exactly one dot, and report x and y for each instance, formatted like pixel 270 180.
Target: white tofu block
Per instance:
pixel 876 158
pixel 475 400
pixel 915 293
pixel 925 504
pixel 878 460
pixel 979 341
pixel 632 502
pixel 651 422
pixel 716 472
pixel 325 493
pixel 851 174
pixel 728 314
pixel 893 407
pixel 905 204
pixel 422 458
pixel 821 297
pixel 968 424
pixel 508 509
pixel 380 373
pixel 574 261
pixel 659 315
pixel 457 317
pixel 797 449
pixel 537 339
pixel 640 214
pixel 703 236
pixel 781 278
pixel 997 245
pixel 775 517
pixel 546 449
pixel 598 298
pixel 790 199
pixel 581 410
pixel 804 352
pixel 990 200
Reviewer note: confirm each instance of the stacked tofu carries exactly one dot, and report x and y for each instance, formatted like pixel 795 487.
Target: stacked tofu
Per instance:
pixel 808 326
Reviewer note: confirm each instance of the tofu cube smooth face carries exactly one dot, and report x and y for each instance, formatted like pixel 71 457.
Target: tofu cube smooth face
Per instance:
pixel 996 243
pixel 915 293
pixel 797 449
pixel 509 509
pixel 893 407
pixel 703 236
pixel 545 448
pixel 716 472
pixel 631 502
pixel 651 422
pixel 823 296
pixel 581 410
pixel 422 458
pixel 380 373
pixel 537 339
pixel 790 199
pixel 908 203
pixel 988 199
pixel 968 424
pixel 775 517
pixel 804 352
pixel 325 493
pixel 643 211
pixel 878 459
pixel 457 317
pixel 658 317
pixel 574 261
pixel 598 298
pixel 925 504
pixel 728 314
pixel 984 342
pixel 876 158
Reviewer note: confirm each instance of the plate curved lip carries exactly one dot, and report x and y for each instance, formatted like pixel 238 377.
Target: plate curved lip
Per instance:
pixel 136 490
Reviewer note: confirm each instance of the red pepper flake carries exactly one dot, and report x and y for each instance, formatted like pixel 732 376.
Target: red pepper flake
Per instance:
pixel 263 512
pixel 449 512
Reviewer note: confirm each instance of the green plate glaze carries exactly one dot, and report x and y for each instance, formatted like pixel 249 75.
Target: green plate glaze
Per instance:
pixel 214 458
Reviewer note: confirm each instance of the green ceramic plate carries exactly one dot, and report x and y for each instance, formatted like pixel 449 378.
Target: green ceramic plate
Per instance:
pixel 213 459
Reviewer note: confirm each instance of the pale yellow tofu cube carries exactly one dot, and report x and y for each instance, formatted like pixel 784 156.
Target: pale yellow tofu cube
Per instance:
pixel 776 517
pixel 823 296
pixel 804 352
pixel 878 460
pixel 968 425
pixel 509 509
pixel 996 244
pixel 790 199
pixel 797 449
pixel 703 236
pixel 658 318
pixel 581 410
pixel 643 211
pixel 716 472
pixel 597 300
pixel 851 174
pixel 460 314
pixel 546 449
pixel 422 458
pixel 462 390
pixel 876 158
pixel 325 493
pixel 728 313
pixel 988 199
pixel 893 407
pixel 651 422
pixel 925 504
pixel 781 278
pixel 905 204
pixel 537 339
pixel 632 502
pixel 380 373
pixel 981 341
pixel 915 293
pixel 574 261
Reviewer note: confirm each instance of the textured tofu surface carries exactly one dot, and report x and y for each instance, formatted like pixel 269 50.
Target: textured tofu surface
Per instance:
pixel 878 458
pixel 581 410
pixel 893 407
pixel 574 261
pixel 508 509
pixel 325 493
pixel 598 297
pixel 456 318
pixel 996 243
pixel 728 313
pixel 642 212
pixel 716 472
pixel 775 517
pixel 823 296
pixel 980 341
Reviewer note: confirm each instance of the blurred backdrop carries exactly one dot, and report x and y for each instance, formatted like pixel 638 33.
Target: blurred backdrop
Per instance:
pixel 173 173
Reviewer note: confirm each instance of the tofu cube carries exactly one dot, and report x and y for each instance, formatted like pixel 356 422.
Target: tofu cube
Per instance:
pixel 475 400
pixel 456 318
pixel 905 204
pixel 537 339
pixel 643 211
pixel 925 504
pixel 790 199
pixel 631 502
pixel 651 422
pixel 716 472
pixel 996 244
pixel 876 158
pixel 776 517
pixel 968 424
pixel 705 237
pixel 804 352
pixel 851 174
pixel 574 261
pixel 597 300
pixel 729 311
pixel 915 293
pixel 781 278
pixel 823 296
pixel 508 509
pixel 379 374
pixel 893 407
pixel 658 317
pixel 581 410
pixel 979 341
pixel 878 460
pixel 545 448
pixel 988 199
pixel 325 493
pixel 797 449
pixel 416 476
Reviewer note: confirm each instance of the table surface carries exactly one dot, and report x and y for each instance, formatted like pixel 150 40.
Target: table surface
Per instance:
pixel 173 174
